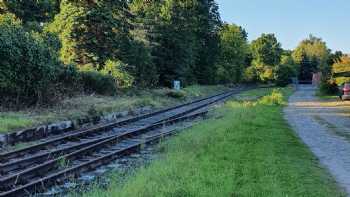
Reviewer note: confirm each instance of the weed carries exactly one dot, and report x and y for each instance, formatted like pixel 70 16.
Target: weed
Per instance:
pixel 275 98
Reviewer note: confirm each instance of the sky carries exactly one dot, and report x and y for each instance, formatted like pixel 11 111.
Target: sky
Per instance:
pixel 292 20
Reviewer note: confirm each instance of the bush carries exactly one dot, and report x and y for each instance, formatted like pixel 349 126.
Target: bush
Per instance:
pixel 94 81
pixel 283 75
pixel 250 75
pixel 329 87
pixel 266 75
pixel 28 68
pixel 117 70
pixel 176 94
pixel 276 98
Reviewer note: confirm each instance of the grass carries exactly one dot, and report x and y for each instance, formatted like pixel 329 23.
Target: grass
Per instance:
pixel 12 121
pixel 251 151
pixel 79 106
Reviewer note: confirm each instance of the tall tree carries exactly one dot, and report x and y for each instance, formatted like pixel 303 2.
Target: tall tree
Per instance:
pixel 178 47
pixel 234 51
pixel 183 38
pixel 92 32
pixel 341 70
pixel 146 21
pixel 31 10
pixel 266 51
pixel 209 24
pixel 312 55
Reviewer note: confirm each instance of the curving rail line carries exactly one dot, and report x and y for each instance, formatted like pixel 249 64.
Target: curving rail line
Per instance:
pixel 36 167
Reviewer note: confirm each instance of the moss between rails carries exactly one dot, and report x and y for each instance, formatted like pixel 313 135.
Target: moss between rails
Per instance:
pixel 80 106
pixel 251 151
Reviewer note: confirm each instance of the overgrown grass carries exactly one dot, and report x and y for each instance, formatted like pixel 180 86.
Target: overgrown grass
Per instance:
pixel 12 121
pixel 251 151
pixel 79 106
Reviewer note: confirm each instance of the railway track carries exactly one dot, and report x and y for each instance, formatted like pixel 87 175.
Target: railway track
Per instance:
pixel 32 169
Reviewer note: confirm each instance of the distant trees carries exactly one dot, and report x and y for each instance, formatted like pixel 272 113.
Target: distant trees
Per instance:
pixel 266 51
pixel 233 52
pixel 103 46
pixel 312 55
pixel 285 71
pixel 341 70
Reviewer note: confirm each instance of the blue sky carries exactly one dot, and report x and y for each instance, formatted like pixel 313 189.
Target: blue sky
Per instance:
pixel 292 20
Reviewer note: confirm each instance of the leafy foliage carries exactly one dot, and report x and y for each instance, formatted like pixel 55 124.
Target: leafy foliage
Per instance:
pixel 329 87
pixel 233 52
pixel 285 71
pixel 117 70
pixel 91 32
pixel 96 82
pixel 29 10
pixel 266 51
pixel 182 37
pixel 275 98
pixel 102 46
pixel 250 75
pixel 312 55
pixel 28 67
pixel 341 70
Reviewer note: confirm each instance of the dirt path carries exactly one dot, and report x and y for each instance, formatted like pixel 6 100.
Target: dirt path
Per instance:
pixel 325 127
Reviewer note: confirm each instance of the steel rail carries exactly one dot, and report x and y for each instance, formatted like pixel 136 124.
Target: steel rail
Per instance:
pixel 21 181
pixel 101 127
pixel 91 163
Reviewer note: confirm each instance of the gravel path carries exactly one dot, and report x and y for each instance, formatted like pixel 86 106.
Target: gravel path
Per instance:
pixel 325 127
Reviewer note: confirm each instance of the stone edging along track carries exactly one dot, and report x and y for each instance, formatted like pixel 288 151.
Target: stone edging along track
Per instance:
pixel 43 131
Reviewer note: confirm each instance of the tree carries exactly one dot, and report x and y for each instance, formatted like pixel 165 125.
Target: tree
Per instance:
pixel 335 57
pixel 182 36
pixel 341 70
pixel 175 56
pixel 285 71
pixel 146 21
pixel 312 55
pixel 233 52
pixel 209 24
pixel 29 10
pixel 266 51
pixel 92 32
pixel 28 66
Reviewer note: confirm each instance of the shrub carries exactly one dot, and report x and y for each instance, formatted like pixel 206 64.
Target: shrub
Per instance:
pixel 328 87
pixel 275 98
pixel 117 70
pixel 176 94
pixel 70 79
pixel 94 81
pixel 250 75
pixel 266 74
pixel 28 68
pixel 283 75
